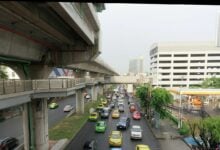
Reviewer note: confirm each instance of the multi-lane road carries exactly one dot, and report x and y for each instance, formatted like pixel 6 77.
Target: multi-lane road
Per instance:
pixel 13 127
pixel 88 133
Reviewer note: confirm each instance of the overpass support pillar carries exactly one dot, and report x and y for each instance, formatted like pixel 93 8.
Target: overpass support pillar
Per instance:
pixel 101 89
pixel 40 119
pixel 25 126
pixel 79 101
pixel 94 93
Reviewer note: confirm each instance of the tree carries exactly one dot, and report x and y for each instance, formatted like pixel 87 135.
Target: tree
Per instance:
pixel 3 73
pixel 211 82
pixel 207 130
pixel 160 98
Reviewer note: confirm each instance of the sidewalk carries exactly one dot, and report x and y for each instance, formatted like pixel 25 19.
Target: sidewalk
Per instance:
pixel 169 137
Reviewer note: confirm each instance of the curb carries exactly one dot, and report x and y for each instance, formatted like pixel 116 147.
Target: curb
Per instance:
pixel 60 145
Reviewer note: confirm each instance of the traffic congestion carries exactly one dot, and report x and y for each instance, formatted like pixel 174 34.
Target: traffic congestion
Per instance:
pixel 116 124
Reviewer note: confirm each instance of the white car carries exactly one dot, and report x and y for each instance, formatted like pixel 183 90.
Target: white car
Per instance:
pixel 67 108
pixel 88 96
pixel 136 132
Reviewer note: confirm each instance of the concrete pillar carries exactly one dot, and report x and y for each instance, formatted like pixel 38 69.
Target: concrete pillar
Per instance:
pixel 79 101
pixel 40 117
pixel 101 89
pixel 25 126
pixel 94 93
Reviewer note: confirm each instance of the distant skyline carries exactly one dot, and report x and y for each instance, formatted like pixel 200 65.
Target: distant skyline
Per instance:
pixel 129 30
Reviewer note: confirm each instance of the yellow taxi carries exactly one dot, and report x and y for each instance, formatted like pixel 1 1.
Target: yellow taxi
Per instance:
pixel 142 147
pixel 115 138
pixel 93 116
pixel 100 106
pixel 104 101
pixel 115 113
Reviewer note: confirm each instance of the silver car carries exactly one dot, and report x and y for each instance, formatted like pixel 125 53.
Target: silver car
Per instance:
pixel 136 132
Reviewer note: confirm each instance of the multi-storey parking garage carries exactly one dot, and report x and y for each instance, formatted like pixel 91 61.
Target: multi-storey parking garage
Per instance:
pixel 183 64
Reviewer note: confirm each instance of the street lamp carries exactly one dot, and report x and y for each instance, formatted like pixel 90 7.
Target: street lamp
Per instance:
pixel 180 105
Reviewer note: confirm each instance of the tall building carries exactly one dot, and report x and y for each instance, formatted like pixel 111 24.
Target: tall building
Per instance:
pixel 136 66
pixel 182 64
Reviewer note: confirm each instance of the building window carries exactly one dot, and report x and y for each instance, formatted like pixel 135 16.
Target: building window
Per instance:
pixel 180 55
pixel 213 61
pixel 197 55
pixel 165 55
pixel 180 61
pixel 164 62
pixel 179 67
pixel 196 73
pixel 215 55
pixel 197 67
pixel 180 73
pixel 197 61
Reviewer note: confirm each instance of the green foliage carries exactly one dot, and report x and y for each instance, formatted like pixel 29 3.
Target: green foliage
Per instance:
pixel 211 83
pixel 172 118
pixel 142 94
pixel 184 130
pixel 3 73
pixel 207 129
pixel 159 100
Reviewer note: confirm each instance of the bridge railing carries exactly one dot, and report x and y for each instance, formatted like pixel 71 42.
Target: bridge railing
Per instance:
pixel 15 86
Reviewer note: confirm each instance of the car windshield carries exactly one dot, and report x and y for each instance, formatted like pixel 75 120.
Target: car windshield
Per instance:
pixel 100 124
pixel 115 136
pixel 93 114
pixel 136 129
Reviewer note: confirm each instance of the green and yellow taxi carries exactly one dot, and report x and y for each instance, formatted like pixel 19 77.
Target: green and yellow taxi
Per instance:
pixel 100 126
pixel 100 106
pixel 142 147
pixel 93 116
pixel 104 102
pixel 53 105
pixel 115 138
pixel 115 113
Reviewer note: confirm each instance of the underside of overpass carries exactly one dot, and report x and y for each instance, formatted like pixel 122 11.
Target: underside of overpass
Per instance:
pixel 47 35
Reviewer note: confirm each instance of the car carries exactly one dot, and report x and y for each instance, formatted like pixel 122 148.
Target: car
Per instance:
pixel 136 115
pixel 123 123
pixel 53 105
pixel 132 108
pixel 90 145
pixel 108 96
pixel 115 113
pixel 67 108
pixel 112 105
pixel 8 143
pixel 93 116
pixel 142 147
pixel 87 96
pixel 104 102
pixel 116 148
pixel 100 107
pixel 105 112
pixel 121 108
pixel 136 132
pixel 115 138
pixel 100 126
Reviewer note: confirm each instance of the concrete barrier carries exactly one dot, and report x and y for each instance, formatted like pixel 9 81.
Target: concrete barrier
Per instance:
pixel 60 145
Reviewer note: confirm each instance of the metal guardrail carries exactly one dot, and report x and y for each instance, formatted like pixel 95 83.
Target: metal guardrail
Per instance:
pixel 16 86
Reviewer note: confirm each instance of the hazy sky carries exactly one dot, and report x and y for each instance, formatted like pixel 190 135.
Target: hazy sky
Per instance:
pixel 129 30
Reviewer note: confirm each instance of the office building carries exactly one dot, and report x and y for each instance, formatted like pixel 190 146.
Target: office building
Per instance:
pixel 183 64
pixel 136 66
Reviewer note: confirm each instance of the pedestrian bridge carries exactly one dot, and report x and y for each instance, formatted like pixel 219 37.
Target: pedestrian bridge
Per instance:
pixel 55 85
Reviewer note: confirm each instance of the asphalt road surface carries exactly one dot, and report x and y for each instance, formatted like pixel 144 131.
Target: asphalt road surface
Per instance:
pixel 13 127
pixel 88 133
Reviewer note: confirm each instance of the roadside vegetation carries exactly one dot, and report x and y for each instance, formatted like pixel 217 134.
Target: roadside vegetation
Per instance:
pixel 205 132
pixel 3 73
pixel 211 83
pixel 69 127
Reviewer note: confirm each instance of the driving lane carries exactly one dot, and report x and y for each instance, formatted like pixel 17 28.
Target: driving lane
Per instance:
pixel 88 133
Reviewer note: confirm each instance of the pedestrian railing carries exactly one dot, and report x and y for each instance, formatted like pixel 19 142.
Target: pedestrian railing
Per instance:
pixel 16 86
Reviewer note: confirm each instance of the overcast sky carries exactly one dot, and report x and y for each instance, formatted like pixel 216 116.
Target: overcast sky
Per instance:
pixel 129 30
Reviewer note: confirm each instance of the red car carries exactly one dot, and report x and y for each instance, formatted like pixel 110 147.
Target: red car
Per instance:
pixel 136 115
pixel 132 108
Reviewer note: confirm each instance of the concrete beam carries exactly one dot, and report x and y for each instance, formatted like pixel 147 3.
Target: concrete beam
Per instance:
pixel 34 18
pixel 70 13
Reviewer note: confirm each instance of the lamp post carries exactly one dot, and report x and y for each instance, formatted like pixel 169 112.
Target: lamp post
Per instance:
pixel 180 105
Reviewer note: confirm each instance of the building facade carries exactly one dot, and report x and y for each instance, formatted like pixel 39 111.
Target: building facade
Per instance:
pixel 136 66
pixel 181 64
